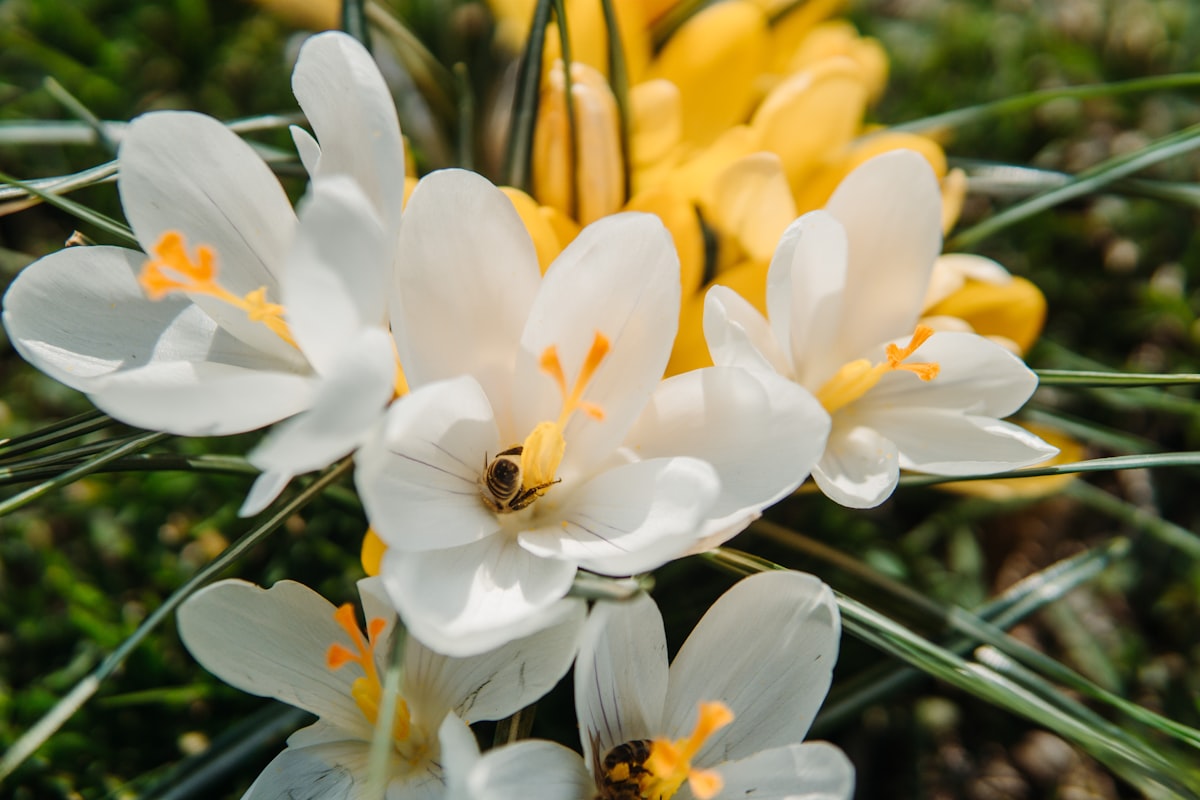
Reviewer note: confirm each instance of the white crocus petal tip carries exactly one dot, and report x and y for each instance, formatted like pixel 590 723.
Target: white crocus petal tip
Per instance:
pixel 739 336
pixel 263 492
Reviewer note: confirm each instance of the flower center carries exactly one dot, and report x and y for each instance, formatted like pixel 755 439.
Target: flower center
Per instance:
pixel 367 691
pixel 517 477
pixel 858 377
pixel 656 769
pixel 172 269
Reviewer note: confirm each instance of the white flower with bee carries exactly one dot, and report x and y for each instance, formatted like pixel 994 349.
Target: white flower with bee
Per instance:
pixel 539 436
pixel 289 643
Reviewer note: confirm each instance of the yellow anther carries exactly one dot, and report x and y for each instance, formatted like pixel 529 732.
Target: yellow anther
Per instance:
pixel 172 270
pixel 367 691
pixel 543 449
pixel 858 377
pixel 670 763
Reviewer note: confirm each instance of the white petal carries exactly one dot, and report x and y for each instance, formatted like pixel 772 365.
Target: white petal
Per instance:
pixel 631 518
pixel 339 272
pixel 186 172
pixel 891 210
pixel 620 278
pixel 738 336
pixel 975 375
pixel 773 672
pixel 307 148
pixel 811 771
pixel 500 682
pixel 459 754
pixel 201 398
pixel 348 104
pixel 947 443
pixel 419 480
pixel 349 402
pixel 530 770
pixel 263 491
pixel 332 771
pixel 762 433
pixel 805 286
pixel 466 600
pixel 79 314
pixel 620 676
pixel 465 283
pixel 273 643
pixel 860 466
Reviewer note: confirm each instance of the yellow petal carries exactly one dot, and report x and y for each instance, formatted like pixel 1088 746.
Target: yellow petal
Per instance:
pixel 679 217
pixel 810 115
pixel 820 184
pixel 839 38
pixel 752 203
pixel 1015 310
pixel 1069 451
pixel 545 239
pixel 656 121
pixel 696 177
pixel 789 31
pixel 749 279
pixel 597 179
pixel 373 549
pixel 714 59
pixel 313 15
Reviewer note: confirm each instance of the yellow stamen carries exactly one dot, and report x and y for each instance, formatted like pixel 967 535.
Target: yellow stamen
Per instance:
pixel 367 691
pixel 543 449
pixel 858 377
pixel 171 270
pixel 670 763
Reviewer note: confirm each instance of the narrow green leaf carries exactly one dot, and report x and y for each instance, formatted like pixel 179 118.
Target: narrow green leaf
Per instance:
pixel 70 428
pixel 518 157
pixel 75 473
pixel 1018 181
pixel 564 42
pixel 1024 102
pixel 464 137
pixel 77 210
pixel 1163 530
pixel 379 763
pixel 673 20
pixel 354 21
pixel 82 112
pixel 515 728
pixel 36 736
pixel 1072 377
pixel 1086 182
pixel 1140 461
pixel 435 83
pixel 589 586
pixel 618 80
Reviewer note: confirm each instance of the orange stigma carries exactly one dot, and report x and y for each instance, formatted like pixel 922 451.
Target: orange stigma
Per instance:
pixel 171 269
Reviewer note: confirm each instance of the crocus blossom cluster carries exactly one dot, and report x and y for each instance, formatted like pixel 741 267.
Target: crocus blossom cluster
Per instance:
pixel 511 425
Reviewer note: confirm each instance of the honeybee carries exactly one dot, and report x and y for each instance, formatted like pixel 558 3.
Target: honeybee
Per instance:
pixel 501 483
pixel 622 770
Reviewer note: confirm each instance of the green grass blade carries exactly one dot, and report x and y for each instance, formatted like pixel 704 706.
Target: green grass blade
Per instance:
pixel 354 22
pixel 32 739
pixel 77 210
pixel 379 762
pixel 1024 102
pixel 82 112
pixel 1110 463
pixel 61 431
pixel 618 79
pixel 1165 531
pixel 518 157
pixel 1086 182
pixel 75 473
pixel 1073 377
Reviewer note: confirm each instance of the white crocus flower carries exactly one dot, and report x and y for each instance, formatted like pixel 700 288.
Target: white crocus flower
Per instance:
pixel 289 643
pixel 728 718
pixel 539 436
pixel 240 316
pixel 845 290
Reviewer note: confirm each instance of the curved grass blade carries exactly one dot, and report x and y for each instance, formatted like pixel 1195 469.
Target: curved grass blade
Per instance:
pixel 1024 102
pixel 77 210
pixel 354 22
pixel 618 80
pixel 519 154
pixel 1019 601
pixel 61 431
pixel 1090 180
pixel 1163 530
pixel 54 719
pixel 564 43
pixel 1013 181
pixel 590 586
pixel 380 758
pixel 138 462
pixel 82 112
pixel 435 83
pixel 75 473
